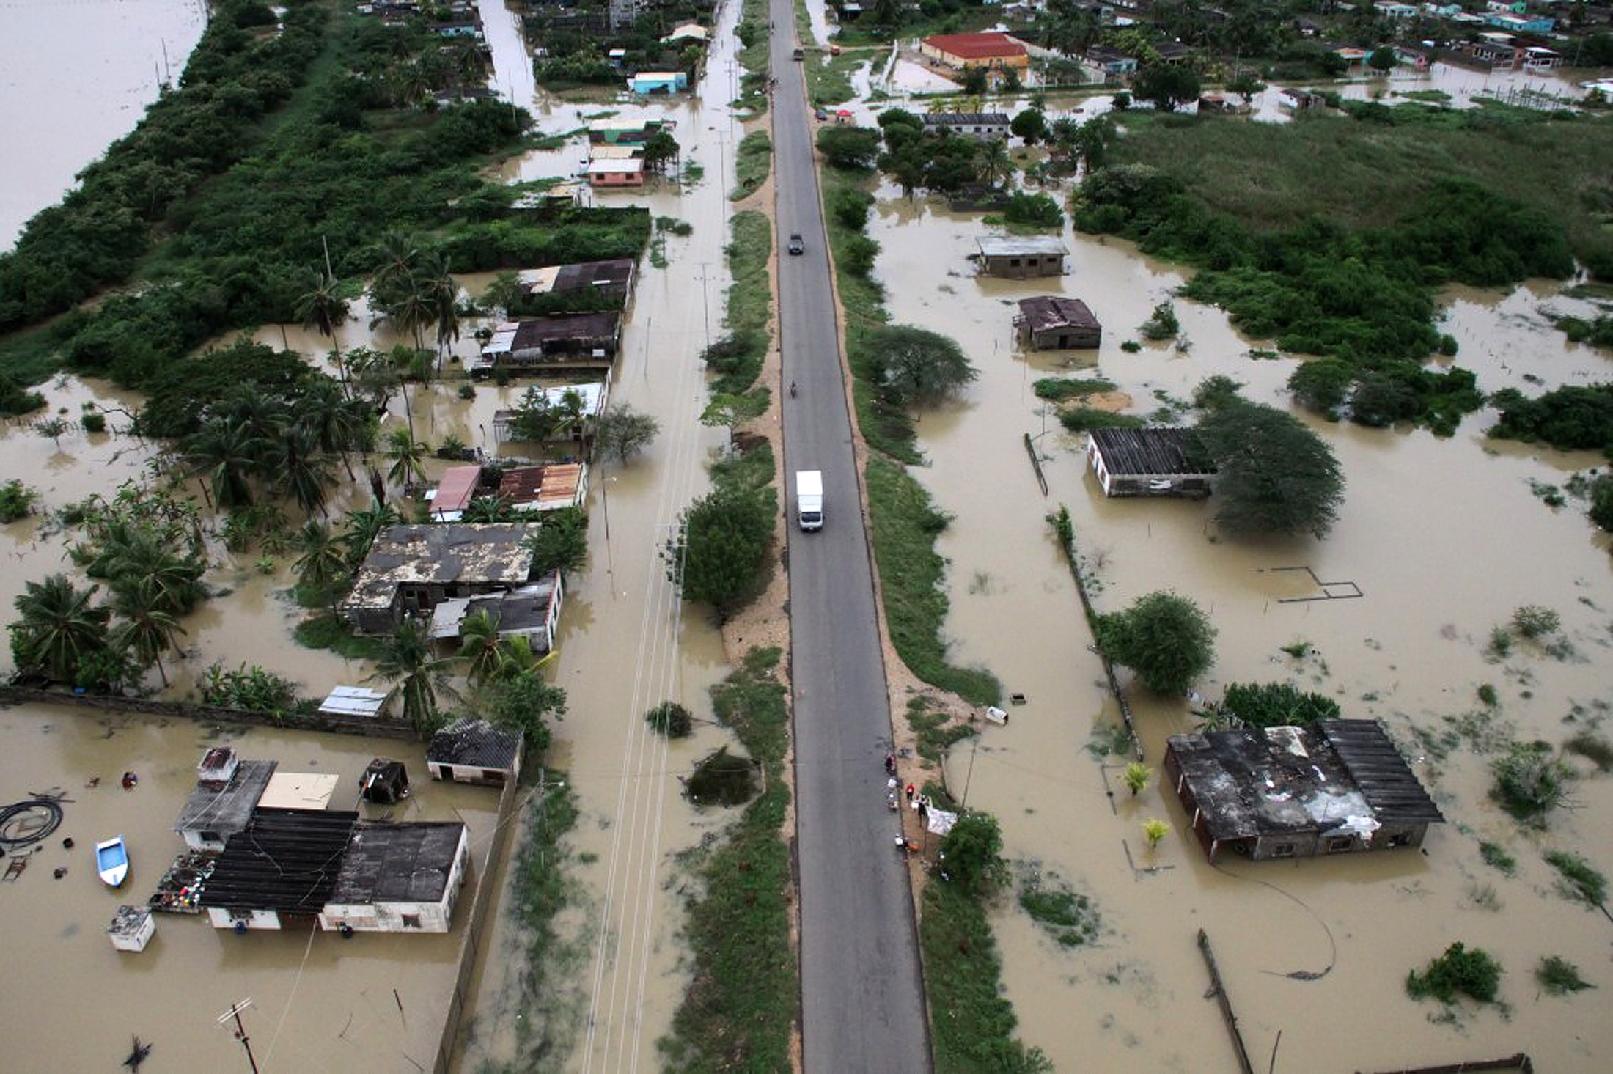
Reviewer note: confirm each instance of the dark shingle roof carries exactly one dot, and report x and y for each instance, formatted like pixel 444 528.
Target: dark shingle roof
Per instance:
pixel 397 863
pixel 284 860
pixel 1164 451
pixel 474 744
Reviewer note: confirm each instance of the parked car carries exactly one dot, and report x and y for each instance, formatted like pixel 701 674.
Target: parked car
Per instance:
pixel 796 245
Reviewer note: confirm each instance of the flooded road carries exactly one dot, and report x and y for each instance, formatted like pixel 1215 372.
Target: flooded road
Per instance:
pixel 75 77
pixel 1444 537
pixel 318 1002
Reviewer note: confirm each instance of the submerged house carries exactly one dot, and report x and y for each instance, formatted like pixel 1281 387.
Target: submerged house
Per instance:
pixel 1051 322
pixel 648 82
pixel 1019 257
pixel 1150 462
pixel 1295 792
pixel 474 751
pixel 399 878
pixel 611 172
pixel 567 341
pixel 986 126
pixel 616 130
pixel 544 488
pixel 279 866
pixel 412 569
pixel 530 611
pixel 613 279
pixel 227 791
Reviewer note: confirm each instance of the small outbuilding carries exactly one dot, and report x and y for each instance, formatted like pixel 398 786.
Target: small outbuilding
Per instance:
pixel 399 878
pixel 1150 462
pixel 613 278
pixel 1052 322
pixel 354 701
pixel 384 782
pixel 646 83
pixel 619 172
pixel 1021 257
pixel 474 751
pixel 217 810
pixel 304 791
pixel 1294 792
pixel 530 611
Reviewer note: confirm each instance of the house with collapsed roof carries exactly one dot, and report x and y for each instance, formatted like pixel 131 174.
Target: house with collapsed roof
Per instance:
pixel 411 569
pixel 531 611
pixel 584 280
pixel 527 489
pixel 1336 787
pixel 1053 322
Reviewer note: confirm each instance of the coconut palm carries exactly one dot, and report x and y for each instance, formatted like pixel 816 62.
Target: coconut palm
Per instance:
pixel 407 663
pixel 145 628
pixel 322 308
pixel 399 259
pixel 261 415
pixel 995 163
pixel 407 455
pixel 443 294
pixel 363 526
pixel 321 562
pixel 516 657
pixel 224 454
pixel 296 467
pixel 505 291
pixel 57 627
pixel 479 646
pixel 128 551
pixel 335 423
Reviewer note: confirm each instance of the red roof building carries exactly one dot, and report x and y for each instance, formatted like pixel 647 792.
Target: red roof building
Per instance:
pixel 990 49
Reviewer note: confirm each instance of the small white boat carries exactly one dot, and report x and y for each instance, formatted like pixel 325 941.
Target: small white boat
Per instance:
pixel 112 860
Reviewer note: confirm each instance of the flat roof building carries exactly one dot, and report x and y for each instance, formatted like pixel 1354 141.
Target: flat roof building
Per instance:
pixel 215 811
pixel 1018 258
pixel 564 341
pixel 474 751
pixel 411 569
pixel 399 878
pixel 282 864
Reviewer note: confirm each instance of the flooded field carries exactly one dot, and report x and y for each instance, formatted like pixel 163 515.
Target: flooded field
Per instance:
pixel 75 77
pixel 318 1002
pixel 1444 538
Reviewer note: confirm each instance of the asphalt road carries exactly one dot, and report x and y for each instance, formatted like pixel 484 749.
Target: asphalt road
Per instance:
pixel 862 995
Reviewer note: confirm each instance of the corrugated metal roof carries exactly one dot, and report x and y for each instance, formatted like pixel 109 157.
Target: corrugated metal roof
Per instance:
pixel 456 489
pixel 1051 311
pixel 1021 246
pixel 1145 452
pixel 977 46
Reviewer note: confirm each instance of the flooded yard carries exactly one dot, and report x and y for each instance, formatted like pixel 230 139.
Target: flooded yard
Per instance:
pixel 1444 539
pixel 319 1002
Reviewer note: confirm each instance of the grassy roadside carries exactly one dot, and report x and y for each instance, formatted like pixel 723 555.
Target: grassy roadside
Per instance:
pixel 741 1003
pixel 829 77
pixel 756 41
pixel 752 165
pixel 737 357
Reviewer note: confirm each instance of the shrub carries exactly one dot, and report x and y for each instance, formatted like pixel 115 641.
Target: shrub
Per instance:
pixel 853 148
pixel 1602 501
pixel 972 852
pixel 727 536
pixel 1579 880
pixel 1322 385
pixel 561 543
pixel 1457 972
pixel 1034 210
pixel 670 719
pixel 1163 324
pixel 1534 621
pixel 1155 830
pixel 1496 857
pixel 250 688
pixel 1277 705
pixel 722 778
pixel 1557 976
pixel 1530 781
pixel 1165 638
pixel 93 422
pixel 15 400
pixel 1137 776
pixel 1487 694
pixel 914 366
pixel 16 501
pixel 849 206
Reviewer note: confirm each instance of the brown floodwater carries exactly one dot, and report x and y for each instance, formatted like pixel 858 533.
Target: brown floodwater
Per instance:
pixel 1444 537
pixel 74 77
pixel 318 1002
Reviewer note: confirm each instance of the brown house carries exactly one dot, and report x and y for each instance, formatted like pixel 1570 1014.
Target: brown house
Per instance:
pixel 1337 787
pixel 1051 322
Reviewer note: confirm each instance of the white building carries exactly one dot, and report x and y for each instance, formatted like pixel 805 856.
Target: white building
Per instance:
pixel 399 878
pixel 474 751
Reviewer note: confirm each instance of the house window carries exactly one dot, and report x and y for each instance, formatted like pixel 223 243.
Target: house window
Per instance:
pixel 411 921
pixel 1013 262
pixel 1282 850
pixel 1339 842
pixel 212 837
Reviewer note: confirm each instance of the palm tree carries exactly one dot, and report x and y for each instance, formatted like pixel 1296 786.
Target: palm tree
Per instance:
pixel 479 646
pixel 147 629
pixel 260 414
pixel 363 526
pixel 224 455
pixel 297 468
pixel 398 259
pixel 332 421
pixel 995 163
pixel 131 551
pixel 57 627
pixel 505 291
pixel 407 455
pixel 406 662
pixel 322 309
pixel 321 565
pixel 444 296
pixel 516 658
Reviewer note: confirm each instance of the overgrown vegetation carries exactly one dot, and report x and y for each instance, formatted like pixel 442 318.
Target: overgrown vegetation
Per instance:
pixel 1558 977
pixel 1060 389
pixel 1530 781
pixel 670 719
pixel 1457 972
pixel 16 500
pixel 1276 705
pixel 905 524
pixel 1579 879
pixel 741 1002
pixel 1574 417
pixel 1166 639
pixel 250 688
pixel 934 733
pixel 1274 474
pixel 737 357
pixel 1497 857
pixel 753 163
pixel 1072 919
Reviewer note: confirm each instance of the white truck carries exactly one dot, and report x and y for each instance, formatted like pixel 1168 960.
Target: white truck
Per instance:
pixel 809 499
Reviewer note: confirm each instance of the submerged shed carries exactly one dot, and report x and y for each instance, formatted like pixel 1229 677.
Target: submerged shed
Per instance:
pixel 1053 322
pixel 1019 257
pixel 474 751
pixel 1168 461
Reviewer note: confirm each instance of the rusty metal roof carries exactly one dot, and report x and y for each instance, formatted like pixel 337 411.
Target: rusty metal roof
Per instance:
pixel 543 487
pixel 1053 311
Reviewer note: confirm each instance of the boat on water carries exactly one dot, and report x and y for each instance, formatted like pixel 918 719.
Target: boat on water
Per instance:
pixel 112 860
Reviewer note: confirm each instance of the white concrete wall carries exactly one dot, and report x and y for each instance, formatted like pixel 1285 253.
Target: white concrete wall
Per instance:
pixel 255 919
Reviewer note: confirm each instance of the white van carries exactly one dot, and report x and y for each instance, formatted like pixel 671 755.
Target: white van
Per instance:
pixel 809 499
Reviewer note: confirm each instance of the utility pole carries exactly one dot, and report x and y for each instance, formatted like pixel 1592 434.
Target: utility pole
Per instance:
pixel 973 749
pixel 705 299
pixel 240 1030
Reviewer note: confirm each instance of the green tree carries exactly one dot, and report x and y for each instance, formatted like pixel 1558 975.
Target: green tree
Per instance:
pixel 504 292
pixel 363 527
pixel 851 148
pixel 1165 638
pixel 1275 475
pixel 296 467
pixel 670 719
pixel 406 662
pixel 1276 705
pixel 994 165
pixel 524 702
pixel 561 543
pixel 1137 776
pixel 336 424
pixel 972 853
pixel 132 548
pixel 1602 501
pixel 224 454
pixel 479 648
pixel 145 629
pixel 1031 125
pixel 1322 385
pixel 914 366
pixel 321 561
pixel 661 149
pixel 1382 60
pixel 727 534
pixel 407 455
pixel 443 294
pixel 57 628
pixel 321 308
pixel 624 432
pixel 1167 86
pixel 975 81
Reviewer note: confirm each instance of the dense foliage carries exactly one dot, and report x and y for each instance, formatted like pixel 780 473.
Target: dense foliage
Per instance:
pixel 1458 971
pixel 1571 418
pixel 1165 638
pixel 727 534
pixel 1273 704
pixel 250 688
pixel 914 366
pixel 849 147
pixel 1273 474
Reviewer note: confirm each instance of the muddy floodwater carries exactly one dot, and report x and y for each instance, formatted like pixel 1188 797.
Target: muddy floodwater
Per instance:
pixel 319 1002
pixel 1444 538
pixel 76 75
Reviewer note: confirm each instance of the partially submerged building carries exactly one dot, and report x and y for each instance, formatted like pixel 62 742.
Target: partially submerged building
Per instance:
pixel 646 83
pixel 282 865
pixel 590 400
pixel 565 341
pixel 474 751
pixel 1295 792
pixel 529 611
pixel 412 569
pixel 617 172
pixel 227 791
pixel 544 488
pixel 455 490
pixel 987 49
pixel 621 130
pixel 613 278
pixel 1052 322
pixel 985 126
pixel 1169 461
pixel 399 878
pixel 1021 257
